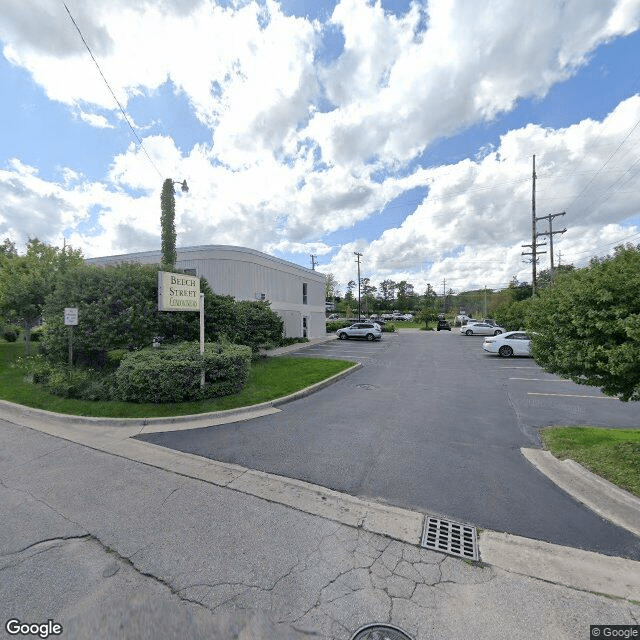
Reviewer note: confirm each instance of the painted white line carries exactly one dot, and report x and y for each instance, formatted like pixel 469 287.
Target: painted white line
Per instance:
pixel 530 368
pixel 541 379
pixel 570 395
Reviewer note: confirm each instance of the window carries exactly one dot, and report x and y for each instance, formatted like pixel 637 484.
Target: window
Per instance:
pixel 304 293
pixel 304 327
pixel 190 272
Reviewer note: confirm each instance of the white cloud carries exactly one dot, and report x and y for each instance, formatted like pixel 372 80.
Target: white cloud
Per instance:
pixel 477 214
pixel 279 174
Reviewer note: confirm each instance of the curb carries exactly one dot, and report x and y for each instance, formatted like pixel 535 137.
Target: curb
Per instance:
pixel 601 496
pixel 167 423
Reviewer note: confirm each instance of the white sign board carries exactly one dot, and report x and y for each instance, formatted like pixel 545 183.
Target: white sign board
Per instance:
pixel 178 292
pixel 71 316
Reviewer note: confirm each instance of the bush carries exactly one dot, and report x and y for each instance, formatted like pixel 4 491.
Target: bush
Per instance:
pixel 36 334
pixel 389 327
pixel 256 326
pixel 172 373
pixel 334 325
pixel 63 380
pixel 10 334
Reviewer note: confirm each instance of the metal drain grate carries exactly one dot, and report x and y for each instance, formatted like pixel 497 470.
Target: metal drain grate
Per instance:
pixel 380 632
pixel 450 537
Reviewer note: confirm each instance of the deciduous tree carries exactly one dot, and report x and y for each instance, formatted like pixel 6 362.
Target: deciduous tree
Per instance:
pixel 588 324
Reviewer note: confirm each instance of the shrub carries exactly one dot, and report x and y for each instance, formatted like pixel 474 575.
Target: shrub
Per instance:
pixel 172 373
pixel 10 334
pixel 334 325
pixel 389 327
pixel 256 325
pixel 36 334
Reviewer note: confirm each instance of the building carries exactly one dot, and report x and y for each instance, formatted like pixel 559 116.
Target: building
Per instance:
pixel 296 294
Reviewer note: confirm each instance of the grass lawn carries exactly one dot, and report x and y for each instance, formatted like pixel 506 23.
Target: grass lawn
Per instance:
pixel 268 379
pixel 613 454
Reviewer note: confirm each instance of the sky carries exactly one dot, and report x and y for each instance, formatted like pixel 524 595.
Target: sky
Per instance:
pixel 401 130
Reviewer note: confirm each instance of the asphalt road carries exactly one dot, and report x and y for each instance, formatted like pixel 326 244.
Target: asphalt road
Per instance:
pixel 432 423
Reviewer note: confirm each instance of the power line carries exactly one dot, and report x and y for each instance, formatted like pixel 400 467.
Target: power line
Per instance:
pixel 124 114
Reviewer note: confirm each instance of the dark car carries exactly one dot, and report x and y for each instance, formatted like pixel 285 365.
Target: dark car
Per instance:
pixel 443 325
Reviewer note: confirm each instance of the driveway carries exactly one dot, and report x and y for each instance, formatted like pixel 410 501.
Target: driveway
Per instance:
pixel 434 424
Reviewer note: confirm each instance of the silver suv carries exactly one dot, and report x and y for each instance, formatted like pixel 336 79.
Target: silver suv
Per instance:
pixel 365 330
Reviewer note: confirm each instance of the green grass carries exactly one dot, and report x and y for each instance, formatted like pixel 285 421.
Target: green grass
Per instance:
pixel 269 379
pixel 613 454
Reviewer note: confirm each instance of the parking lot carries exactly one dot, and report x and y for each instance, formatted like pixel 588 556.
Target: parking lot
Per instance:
pixel 433 423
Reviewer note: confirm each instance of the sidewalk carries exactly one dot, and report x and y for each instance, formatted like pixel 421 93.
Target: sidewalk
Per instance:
pixel 117 538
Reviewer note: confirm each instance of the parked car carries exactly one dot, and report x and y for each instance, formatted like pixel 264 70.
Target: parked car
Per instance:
pixel 364 330
pixel 481 329
pixel 443 325
pixel 333 316
pixel 511 343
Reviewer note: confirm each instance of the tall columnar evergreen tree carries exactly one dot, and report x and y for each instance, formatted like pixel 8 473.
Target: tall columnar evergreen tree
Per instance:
pixel 167 222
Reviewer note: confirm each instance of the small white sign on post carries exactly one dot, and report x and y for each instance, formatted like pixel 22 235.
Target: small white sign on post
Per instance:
pixel 71 316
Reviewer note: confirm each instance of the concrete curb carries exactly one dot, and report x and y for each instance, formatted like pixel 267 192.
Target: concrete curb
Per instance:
pixel 576 568
pixel 606 499
pixel 170 423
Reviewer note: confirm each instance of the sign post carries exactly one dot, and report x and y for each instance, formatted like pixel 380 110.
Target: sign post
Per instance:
pixel 181 292
pixel 202 339
pixel 71 320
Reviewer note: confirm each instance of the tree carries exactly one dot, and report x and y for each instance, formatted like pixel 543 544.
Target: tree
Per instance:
pixel 429 307
pixel 588 324
pixel 8 249
pixel 26 281
pixel 368 298
pixel 330 286
pixel 513 315
pixel 167 223
pixel 547 277
pixel 519 290
pixel 349 297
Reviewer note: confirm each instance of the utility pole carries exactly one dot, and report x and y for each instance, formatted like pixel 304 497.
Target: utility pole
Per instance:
pixel 534 243
pixel 444 295
pixel 355 253
pixel 313 262
pixel 551 233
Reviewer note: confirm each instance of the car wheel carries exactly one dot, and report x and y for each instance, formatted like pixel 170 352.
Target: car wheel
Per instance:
pixel 343 336
pixel 505 351
pixel 370 337
pixel 497 332
pixel 468 332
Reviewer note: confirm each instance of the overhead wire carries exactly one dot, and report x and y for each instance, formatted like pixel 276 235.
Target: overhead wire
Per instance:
pixel 122 110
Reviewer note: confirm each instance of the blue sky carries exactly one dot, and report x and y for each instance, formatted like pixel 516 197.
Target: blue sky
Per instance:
pixel 401 130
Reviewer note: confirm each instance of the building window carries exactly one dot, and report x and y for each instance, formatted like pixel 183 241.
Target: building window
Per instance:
pixel 304 327
pixel 190 272
pixel 304 293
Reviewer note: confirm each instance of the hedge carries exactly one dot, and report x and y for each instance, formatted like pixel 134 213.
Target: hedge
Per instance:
pixel 172 373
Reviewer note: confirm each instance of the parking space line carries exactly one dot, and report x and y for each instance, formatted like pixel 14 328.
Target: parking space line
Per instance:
pixel 541 379
pixel 571 395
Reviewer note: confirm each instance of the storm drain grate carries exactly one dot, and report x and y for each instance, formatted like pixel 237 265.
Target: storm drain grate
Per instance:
pixel 380 632
pixel 450 537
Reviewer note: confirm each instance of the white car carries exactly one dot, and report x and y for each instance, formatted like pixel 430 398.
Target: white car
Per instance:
pixel 512 343
pixel 480 329
pixel 366 330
